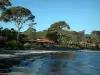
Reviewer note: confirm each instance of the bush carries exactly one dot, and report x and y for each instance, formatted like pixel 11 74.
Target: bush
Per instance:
pixel 32 46
pixel 12 45
pixel 36 46
pixel 27 45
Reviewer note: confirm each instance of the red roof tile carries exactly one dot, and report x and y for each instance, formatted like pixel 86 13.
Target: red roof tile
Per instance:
pixel 44 40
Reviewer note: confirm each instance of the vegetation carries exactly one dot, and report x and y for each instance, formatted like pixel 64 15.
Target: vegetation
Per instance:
pixel 19 16
pixel 58 32
pixel 8 38
pixel 41 34
pixel 67 39
pixel 30 33
pixel 4 4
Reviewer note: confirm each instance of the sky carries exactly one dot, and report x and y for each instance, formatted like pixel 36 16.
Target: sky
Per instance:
pixel 78 14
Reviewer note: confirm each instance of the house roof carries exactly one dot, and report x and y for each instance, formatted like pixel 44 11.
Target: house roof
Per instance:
pixel 44 40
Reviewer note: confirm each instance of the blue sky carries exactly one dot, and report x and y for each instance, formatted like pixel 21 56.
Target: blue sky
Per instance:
pixel 79 14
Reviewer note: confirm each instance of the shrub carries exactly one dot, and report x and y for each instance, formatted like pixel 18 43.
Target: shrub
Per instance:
pixel 12 45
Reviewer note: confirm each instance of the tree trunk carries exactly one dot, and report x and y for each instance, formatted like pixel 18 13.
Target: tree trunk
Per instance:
pixel 18 35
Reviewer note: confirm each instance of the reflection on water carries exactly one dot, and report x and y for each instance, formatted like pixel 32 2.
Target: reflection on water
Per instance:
pixel 68 63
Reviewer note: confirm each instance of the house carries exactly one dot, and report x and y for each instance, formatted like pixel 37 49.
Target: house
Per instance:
pixel 45 42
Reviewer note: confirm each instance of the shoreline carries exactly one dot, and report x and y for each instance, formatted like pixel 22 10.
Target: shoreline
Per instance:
pixel 21 53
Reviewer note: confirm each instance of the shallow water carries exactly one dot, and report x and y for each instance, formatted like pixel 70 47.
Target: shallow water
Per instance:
pixel 66 63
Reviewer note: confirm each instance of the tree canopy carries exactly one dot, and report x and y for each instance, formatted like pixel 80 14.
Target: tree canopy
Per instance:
pixel 57 26
pixel 4 4
pixel 19 15
pixel 57 31
pixel 95 36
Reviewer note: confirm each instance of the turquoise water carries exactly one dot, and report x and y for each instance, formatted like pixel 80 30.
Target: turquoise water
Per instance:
pixel 66 63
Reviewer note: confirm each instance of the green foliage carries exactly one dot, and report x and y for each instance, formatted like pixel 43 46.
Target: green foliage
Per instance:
pixel 8 34
pixel 27 45
pixel 57 26
pixel 12 45
pixel 18 15
pixel 87 39
pixel 36 46
pixel 53 36
pixel 95 36
pixel 32 46
pixel 4 4
pixel 8 37
pixel 74 36
pixel 41 34
pixel 30 33
pixel 57 31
